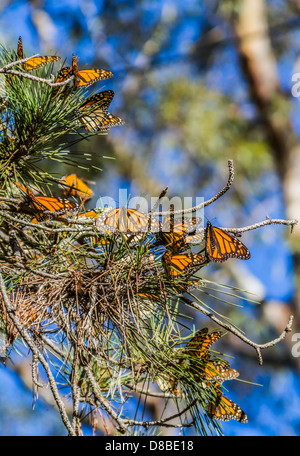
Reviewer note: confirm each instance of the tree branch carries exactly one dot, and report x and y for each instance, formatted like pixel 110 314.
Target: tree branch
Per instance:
pixel 11 311
pixel 208 202
pixel 236 332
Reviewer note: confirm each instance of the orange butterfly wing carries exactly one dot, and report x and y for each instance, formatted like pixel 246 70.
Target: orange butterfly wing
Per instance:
pixel 176 265
pixel 63 75
pixel 20 48
pixel 84 78
pixel 108 120
pixel 73 185
pixel 220 245
pixel 219 371
pixel 54 204
pixel 41 204
pixel 201 342
pixel 97 117
pixel 38 62
pixel 90 214
pixel 125 220
pixel 174 232
pixel 99 100
pixel 224 409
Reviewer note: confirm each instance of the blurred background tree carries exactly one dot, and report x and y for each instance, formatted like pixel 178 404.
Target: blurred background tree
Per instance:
pixel 197 82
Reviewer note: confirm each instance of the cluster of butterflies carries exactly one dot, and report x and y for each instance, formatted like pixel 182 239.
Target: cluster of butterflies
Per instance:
pixel 219 247
pixel 211 373
pixel 176 235
pixel 214 372
pixel 93 113
pixel 42 206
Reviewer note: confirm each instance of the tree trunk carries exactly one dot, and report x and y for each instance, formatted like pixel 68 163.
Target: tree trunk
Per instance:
pixel 258 63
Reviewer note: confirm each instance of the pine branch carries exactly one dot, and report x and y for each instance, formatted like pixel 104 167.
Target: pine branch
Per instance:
pixel 11 311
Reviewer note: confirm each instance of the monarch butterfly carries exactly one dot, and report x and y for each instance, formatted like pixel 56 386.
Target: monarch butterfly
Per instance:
pixel 35 62
pixel 225 409
pixel 219 371
pixel 126 220
pixel 97 117
pixel 73 185
pixel 41 204
pixel 63 75
pixel 200 343
pixel 175 233
pixel 179 264
pixel 215 372
pixel 84 78
pixel 220 245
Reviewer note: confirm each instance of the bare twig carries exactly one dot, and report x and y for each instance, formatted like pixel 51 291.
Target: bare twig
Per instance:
pixel 162 194
pixel 208 202
pixel 75 393
pixel 7 70
pixel 34 371
pixel 165 420
pixel 266 222
pixel 48 82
